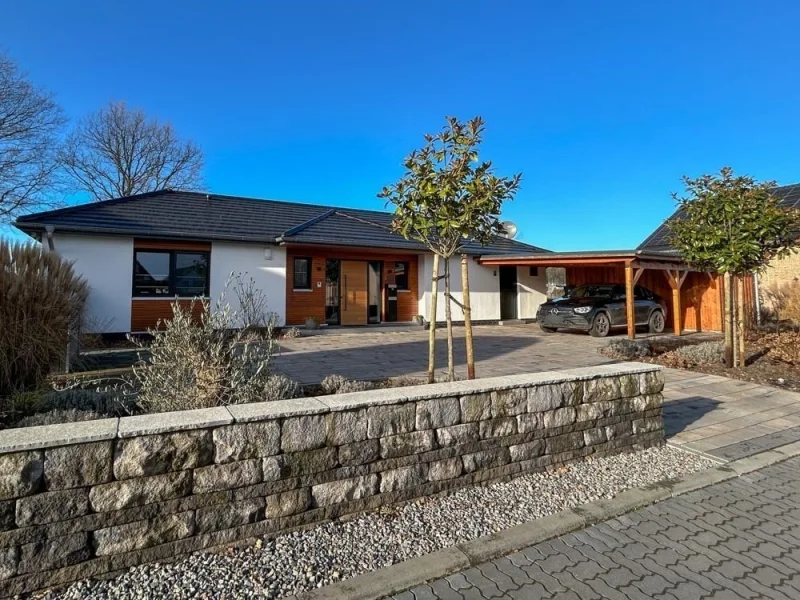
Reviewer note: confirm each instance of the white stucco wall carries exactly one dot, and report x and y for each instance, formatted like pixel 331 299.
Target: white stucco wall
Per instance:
pixel 484 287
pixel 106 262
pixel 249 259
pixel 531 291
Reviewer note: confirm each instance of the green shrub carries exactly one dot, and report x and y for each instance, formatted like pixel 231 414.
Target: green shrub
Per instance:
pixel 703 353
pixel 42 305
pixel 337 384
pixel 57 416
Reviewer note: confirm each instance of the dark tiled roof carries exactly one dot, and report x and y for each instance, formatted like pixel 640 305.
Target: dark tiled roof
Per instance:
pixel 658 241
pixel 197 215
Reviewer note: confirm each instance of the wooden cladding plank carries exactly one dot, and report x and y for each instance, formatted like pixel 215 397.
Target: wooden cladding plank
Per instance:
pixel 171 245
pixel 146 314
pixel 301 304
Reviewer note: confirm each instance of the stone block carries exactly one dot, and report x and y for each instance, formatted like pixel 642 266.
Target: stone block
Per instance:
pixel 303 433
pixel 649 402
pixel 647 425
pixel 595 436
pixel 560 417
pixel 143 534
pixel 476 407
pixel 436 413
pixel 565 443
pixel 601 389
pixel 229 515
pixel 9 557
pixel 403 478
pixel 441 470
pixel 54 553
pixel 227 476
pixel 546 397
pixel 276 409
pixel 527 451
pixel 389 420
pixel 496 428
pixel 288 503
pixel 21 474
pixel 618 430
pixel 589 412
pixel 334 492
pixel 651 382
pixel 244 441
pixel 407 443
pixel 311 461
pixel 572 392
pixel 163 453
pixel 77 466
pixel 359 453
pixel 140 491
pixel 51 436
pixel 528 422
pixel 509 403
pixel 346 427
pixel 485 459
pixel 274 468
pixel 8 515
pixel 174 421
pixel 628 385
pixel 50 507
pixel 458 434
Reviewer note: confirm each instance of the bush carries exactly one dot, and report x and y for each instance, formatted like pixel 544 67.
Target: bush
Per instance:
pixel 337 384
pixel 42 305
pixel 626 349
pixel 782 301
pixel 57 416
pixel 784 346
pixel 703 353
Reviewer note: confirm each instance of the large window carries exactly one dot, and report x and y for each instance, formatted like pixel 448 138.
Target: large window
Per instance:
pixel 302 274
pixel 401 275
pixel 170 273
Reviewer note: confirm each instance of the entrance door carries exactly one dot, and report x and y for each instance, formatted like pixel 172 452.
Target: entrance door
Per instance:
pixel 353 284
pixel 508 293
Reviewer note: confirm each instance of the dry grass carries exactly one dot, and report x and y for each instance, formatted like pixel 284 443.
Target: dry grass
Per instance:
pixel 42 304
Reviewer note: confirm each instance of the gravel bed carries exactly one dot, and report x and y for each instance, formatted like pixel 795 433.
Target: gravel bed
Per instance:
pixel 327 553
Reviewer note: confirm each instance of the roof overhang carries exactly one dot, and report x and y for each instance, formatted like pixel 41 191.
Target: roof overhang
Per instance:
pixel 599 258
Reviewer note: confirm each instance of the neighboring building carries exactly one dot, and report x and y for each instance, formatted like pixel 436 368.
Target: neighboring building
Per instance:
pixel 334 264
pixel 785 270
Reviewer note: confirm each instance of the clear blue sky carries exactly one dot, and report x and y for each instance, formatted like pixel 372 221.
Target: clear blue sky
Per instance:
pixel 602 105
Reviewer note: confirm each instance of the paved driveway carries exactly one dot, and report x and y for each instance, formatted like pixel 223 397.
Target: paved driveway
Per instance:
pixel 722 417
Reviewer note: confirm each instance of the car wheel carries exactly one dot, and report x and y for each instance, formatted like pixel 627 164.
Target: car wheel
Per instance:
pixel 547 329
pixel 600 325
pixel 656 323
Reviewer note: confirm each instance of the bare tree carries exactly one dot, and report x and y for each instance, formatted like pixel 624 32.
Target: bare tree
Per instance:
pixel 119 151
pixel 30 122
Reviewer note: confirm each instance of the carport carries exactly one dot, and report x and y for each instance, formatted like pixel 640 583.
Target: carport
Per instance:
pixel 694 299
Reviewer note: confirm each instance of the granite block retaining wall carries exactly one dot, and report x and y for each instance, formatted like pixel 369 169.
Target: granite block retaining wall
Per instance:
pixel 85 499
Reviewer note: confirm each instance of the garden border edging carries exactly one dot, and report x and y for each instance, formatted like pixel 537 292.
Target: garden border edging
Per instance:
pixel 402 576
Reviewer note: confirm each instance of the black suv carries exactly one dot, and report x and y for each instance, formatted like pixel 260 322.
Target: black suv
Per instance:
pixel 599 308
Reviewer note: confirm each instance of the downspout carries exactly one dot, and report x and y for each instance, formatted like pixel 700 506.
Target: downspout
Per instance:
pixel 51 245
pixel 758 299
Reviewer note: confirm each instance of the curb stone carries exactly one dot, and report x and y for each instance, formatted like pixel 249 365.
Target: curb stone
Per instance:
pixel 404 575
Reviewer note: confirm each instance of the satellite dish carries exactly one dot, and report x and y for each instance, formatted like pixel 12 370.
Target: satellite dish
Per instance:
pixel 510 229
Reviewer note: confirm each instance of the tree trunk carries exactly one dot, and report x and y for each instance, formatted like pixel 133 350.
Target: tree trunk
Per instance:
pixel 741 321
pixel 451 364
pixel 728 320
pixel 467 316
pixel 432 330
pixel 735 321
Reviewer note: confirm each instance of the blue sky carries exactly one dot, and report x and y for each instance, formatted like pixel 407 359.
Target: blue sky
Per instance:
pixel 601 105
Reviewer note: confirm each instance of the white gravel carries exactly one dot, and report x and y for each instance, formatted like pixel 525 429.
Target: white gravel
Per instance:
pixel 327 553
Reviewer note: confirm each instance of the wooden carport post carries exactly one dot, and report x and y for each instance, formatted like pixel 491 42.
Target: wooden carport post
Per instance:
pixel 630 312
pixel 675 282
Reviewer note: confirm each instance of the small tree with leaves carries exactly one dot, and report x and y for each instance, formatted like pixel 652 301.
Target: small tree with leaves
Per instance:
pixel 446 198
pixel 734 226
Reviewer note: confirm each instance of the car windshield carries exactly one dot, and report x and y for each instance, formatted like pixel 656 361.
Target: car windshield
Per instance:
pixel 591 291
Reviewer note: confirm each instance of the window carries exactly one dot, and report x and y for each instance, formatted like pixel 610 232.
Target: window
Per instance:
pixel 169 273
pixel 401 275
pixel 534 272
pixel 302 274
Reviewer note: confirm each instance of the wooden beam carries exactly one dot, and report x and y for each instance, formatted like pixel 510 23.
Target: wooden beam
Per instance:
pixel 636 275
pixel 677 324
pixel 659 266
pixel 629 301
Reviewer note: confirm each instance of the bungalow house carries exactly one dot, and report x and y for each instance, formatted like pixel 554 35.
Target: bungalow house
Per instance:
pixel 341 266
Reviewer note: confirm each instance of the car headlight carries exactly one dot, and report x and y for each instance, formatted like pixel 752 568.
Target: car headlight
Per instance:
pixel 582 310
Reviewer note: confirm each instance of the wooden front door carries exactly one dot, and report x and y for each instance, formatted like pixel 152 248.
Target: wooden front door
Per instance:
pixel 353 283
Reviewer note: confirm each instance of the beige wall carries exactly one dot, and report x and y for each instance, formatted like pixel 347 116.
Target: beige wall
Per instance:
pixel 785 270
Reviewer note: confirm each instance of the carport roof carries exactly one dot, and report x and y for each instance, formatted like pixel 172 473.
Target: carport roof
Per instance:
pixel 588 257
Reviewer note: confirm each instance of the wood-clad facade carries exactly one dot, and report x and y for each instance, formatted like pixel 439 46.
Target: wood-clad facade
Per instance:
pixel 311 301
